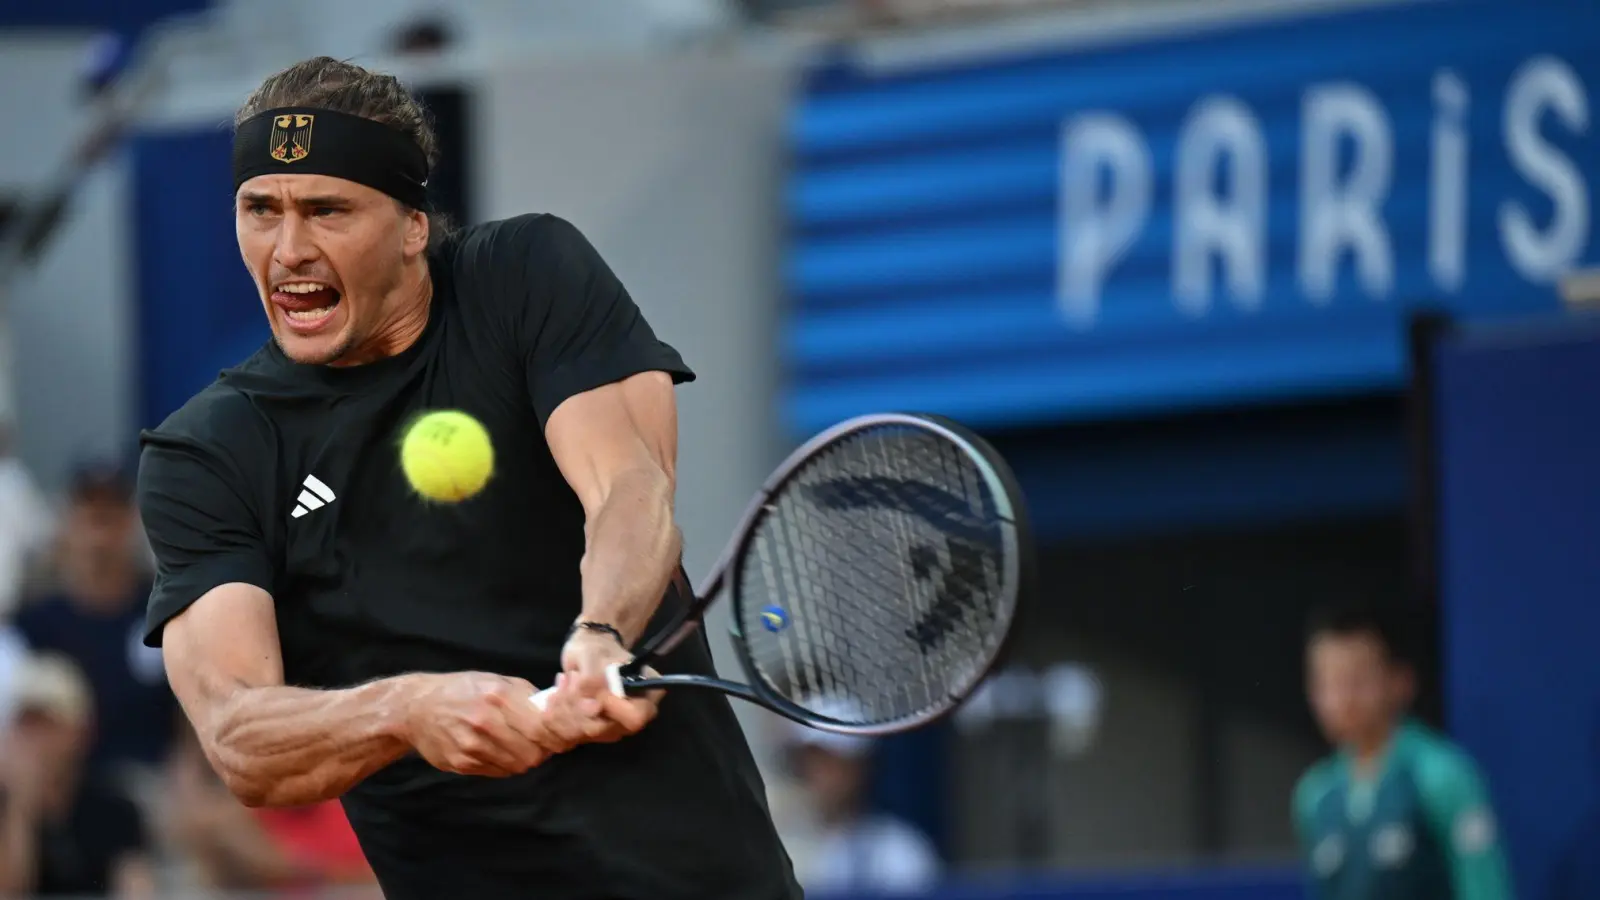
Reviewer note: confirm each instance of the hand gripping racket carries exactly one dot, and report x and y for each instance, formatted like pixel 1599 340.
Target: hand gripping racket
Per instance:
pixel 874 579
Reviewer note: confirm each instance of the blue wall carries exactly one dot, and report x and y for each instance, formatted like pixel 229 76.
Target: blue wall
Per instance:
pixel 198 312
pixel 1519 454
pixel 960 242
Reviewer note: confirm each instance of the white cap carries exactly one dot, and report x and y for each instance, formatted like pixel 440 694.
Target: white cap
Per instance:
pixel 53 684
pixel 852 746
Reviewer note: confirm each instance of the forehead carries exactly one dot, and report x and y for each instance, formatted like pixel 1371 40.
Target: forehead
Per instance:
pixel 292 188
pixel 1347 650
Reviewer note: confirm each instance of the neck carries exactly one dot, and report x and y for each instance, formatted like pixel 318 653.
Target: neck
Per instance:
pixel 108 586
pixel 59 790
pixel 410 302
pixel 1369 749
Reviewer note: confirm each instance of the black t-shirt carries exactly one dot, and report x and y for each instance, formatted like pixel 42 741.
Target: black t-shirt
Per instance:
pixel 370 581
pixel 77 855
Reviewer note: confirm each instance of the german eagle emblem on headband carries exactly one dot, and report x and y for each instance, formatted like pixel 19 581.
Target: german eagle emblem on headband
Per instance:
pixel 291 137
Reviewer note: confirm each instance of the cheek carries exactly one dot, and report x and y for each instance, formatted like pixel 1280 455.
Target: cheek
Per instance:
pixel 361 266
pixel 1335 699
pixel 256 251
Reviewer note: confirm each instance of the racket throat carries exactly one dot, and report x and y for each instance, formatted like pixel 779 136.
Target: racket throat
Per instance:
pixel 742 691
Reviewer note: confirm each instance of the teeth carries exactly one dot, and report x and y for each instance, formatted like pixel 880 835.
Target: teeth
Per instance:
pixel 310 315
pixel 303 287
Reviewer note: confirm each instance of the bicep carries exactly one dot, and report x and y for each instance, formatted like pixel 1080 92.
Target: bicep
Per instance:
pixel 629 426
pixel 224 642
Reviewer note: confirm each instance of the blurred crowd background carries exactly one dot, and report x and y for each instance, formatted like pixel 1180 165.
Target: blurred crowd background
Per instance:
pixel 1272 304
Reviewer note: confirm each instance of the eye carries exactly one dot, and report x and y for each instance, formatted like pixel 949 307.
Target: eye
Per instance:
pixel 257 209
pixel 323 212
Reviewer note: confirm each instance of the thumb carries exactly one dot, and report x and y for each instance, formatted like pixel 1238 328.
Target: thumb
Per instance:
pixel 587 680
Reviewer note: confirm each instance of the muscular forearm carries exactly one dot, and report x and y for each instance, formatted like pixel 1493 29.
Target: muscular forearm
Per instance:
pixel 633 549
pixel 285 746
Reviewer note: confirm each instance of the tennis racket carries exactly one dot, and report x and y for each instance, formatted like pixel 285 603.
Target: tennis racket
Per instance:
pixel 874 579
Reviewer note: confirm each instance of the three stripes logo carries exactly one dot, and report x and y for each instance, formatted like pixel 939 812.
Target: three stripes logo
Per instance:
pixel 315 496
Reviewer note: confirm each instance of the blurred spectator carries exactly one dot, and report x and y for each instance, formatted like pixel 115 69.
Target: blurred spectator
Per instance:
pixel 96 617
pixel 63 831
pixel 25 523
pixel 858 850
pixel 428 36
pixel 1398 811
pixel 244 849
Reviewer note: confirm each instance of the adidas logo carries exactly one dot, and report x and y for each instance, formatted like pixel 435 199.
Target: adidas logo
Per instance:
pixel 315 496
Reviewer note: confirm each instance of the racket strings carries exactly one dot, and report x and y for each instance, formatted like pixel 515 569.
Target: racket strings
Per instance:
pixel 876 578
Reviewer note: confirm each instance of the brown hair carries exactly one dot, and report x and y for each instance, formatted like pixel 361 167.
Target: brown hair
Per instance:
pixel 329 83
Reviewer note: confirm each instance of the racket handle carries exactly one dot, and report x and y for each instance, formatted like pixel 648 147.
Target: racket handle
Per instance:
pixel 613 679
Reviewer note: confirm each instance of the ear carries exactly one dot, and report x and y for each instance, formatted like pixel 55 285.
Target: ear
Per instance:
pixel 1405 680
pixel 416 232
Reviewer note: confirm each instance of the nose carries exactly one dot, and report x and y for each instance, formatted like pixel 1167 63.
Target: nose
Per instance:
pixel 294 247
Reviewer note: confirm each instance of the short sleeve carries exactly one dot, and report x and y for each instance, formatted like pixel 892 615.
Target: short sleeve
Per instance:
pixel 201 528
pixel 581 330
pixel 1456 802
pixel 33 623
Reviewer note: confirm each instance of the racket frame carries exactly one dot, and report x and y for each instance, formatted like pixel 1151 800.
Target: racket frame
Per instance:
pixel 1017 580
pixel 689 619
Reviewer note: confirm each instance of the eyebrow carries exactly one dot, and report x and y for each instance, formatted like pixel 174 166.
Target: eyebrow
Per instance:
pixel 272 200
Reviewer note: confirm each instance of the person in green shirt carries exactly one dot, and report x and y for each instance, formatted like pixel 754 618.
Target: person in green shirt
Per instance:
pixel 1398 812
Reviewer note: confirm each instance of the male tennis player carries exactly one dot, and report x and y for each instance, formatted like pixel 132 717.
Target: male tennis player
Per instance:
pixel 1398 812
pixel 331 635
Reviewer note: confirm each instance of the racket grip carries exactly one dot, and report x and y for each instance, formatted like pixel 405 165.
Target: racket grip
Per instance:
pixel 613 680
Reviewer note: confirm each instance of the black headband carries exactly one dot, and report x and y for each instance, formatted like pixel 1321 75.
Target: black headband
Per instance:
pixel 303 140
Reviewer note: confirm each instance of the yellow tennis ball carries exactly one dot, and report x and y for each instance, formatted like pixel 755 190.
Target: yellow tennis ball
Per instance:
pixel 447 456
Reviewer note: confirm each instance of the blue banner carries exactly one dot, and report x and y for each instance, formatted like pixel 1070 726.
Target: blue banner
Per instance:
pixel 1241 213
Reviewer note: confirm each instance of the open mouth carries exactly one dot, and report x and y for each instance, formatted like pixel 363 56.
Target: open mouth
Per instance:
pixel 306 304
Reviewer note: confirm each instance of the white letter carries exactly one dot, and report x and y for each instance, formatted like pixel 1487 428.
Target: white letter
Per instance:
pixel 1545 83
pixel 1222 131
pixel 1447 199
pixel 1344 215
pixel 1094 235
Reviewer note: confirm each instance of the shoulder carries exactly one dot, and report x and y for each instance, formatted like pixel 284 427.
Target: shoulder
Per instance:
pixel 519 244
pixel 1315 784
pixel 218 438
pixel 905 856
pixel 221 418
pixel 897 836
pixel 1439 765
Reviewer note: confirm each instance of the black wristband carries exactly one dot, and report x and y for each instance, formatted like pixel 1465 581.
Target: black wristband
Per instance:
pixel 597 626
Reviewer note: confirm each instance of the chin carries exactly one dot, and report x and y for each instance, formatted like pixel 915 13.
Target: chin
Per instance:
pixel 313 351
